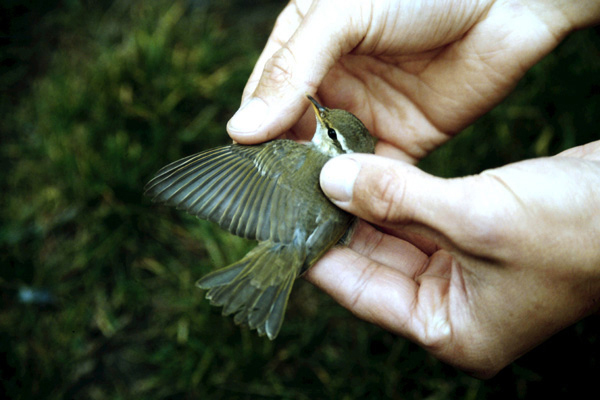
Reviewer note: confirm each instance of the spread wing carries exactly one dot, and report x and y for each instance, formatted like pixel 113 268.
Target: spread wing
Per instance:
pixel 238 187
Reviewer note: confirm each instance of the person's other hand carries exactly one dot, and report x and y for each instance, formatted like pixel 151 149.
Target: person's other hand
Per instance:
pixel 477 270
pixel 415 73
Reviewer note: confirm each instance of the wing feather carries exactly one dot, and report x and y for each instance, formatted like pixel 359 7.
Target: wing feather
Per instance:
pixel 237 187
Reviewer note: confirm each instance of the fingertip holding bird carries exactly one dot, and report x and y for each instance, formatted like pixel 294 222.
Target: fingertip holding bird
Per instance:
pixel 249 118
pixel 338 177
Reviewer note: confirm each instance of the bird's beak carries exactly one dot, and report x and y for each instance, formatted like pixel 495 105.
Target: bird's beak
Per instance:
pixel 319 109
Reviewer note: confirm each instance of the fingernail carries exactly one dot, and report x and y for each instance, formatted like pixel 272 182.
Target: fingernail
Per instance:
pixel 338 177
pixel 249 117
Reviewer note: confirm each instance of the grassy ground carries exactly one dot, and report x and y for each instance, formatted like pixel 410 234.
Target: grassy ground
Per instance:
pixel 97 284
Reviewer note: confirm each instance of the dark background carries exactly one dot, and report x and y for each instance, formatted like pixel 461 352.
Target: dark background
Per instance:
pixel 97 284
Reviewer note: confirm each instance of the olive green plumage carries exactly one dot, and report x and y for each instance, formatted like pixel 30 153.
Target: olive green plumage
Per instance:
pixel 268 192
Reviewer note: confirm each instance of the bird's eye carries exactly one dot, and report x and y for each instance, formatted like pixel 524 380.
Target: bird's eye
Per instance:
pixel 331 133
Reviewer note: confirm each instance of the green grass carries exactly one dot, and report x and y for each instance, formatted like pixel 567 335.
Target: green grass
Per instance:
pixel 97 97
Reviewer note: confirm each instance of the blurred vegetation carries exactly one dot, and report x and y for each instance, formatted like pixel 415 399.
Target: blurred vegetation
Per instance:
pixel 97 284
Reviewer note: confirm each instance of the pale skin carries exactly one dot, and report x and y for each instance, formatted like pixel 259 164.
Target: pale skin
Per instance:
pixel 477 270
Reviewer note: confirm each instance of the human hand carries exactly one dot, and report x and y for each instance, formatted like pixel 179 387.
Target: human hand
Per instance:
pixel 414 72
pixel 463 274
pixel 477 270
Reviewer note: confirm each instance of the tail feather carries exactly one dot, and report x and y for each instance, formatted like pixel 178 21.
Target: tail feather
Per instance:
pixel 244 294
pixel 256 289
pixel 260 314
pixel 275 319
pixel 224 276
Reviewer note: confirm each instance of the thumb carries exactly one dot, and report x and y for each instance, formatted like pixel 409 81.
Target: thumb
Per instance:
pixel 392 193
pixel 291 65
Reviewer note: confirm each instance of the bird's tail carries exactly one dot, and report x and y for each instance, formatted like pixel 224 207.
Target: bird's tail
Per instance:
pixel 256 288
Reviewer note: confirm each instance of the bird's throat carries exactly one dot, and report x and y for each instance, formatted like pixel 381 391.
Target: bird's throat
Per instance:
pixel 323 144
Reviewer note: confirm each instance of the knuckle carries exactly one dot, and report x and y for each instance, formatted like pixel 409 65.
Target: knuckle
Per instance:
pixel 436 338
pixel 387 196
pixel 361 284
pixel 278 69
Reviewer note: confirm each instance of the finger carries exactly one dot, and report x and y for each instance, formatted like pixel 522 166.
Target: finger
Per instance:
pixel 286 24
pixel 296 68
pixel 379 190
pixel 388 250
pixel 374 292
pixel 395 195
pixel 590 151
pixel 385 296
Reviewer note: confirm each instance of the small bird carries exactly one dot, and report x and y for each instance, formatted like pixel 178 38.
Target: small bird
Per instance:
pixel 269 192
